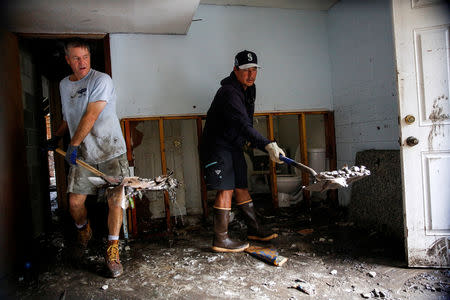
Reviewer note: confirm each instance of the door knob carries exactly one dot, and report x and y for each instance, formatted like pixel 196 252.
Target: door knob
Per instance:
pixel 412 141
pixel 409 119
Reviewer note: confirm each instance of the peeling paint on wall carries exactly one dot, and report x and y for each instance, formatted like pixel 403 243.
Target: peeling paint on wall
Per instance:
pixel 437 116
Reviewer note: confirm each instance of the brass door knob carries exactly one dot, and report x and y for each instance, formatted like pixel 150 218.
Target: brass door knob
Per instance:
pixel 412 141
pixel 409 119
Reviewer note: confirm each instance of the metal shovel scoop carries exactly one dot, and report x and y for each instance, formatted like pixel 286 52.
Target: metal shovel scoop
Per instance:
pixel 329 180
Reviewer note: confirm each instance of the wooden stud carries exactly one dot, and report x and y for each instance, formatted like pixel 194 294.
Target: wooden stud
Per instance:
pixel 204 193
pixel 107 54
pixel 304 155
pixel 61 35
pixel 60 166
pixel 134 217
pixel 272 168
pixel 131 228
pixel 164 172
pixel 330 140
pixel 128 142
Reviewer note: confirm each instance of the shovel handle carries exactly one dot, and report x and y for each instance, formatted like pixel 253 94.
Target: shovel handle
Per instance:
pixel 298 165
pixel 84 165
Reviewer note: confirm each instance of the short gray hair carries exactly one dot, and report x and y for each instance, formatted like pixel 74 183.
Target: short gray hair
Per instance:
pixel 74 43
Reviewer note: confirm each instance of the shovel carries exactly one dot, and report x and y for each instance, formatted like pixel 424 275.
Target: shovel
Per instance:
pixel 331 179
pixel 110 179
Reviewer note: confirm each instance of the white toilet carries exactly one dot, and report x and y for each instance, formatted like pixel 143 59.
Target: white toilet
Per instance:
pixel 288 184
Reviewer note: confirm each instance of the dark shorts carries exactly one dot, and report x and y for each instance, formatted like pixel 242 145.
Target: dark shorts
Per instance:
pixel 225 170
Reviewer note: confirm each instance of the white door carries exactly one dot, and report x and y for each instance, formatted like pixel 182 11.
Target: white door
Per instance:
pixel 421 32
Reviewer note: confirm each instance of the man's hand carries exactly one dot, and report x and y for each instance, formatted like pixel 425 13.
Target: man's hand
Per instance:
pixel 274 152
pixel 71 154
pixel 52 143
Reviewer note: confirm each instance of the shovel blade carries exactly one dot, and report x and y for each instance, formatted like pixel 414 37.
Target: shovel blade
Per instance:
pixel 328 184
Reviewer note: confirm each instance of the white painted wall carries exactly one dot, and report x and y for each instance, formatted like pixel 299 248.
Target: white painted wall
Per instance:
pixel 363 79
pixel 164 74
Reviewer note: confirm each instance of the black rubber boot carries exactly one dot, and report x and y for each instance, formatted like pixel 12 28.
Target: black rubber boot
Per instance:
pixel 221 242
pixel 255 230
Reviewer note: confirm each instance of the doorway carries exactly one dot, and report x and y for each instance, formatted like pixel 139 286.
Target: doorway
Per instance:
pixel 42 67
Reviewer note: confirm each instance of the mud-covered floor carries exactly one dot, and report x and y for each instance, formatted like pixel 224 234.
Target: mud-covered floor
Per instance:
pixel 335 261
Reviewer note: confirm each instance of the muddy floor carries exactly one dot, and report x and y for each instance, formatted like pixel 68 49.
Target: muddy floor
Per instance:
pixel 332 259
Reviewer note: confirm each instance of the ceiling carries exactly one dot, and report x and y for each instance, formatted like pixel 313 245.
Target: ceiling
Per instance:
pixel 291 4
pixel 130 16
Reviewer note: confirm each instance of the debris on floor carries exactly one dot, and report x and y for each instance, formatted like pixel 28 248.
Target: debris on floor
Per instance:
pixel 181 265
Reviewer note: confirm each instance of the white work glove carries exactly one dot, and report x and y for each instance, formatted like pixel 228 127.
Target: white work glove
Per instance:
pixel 274 152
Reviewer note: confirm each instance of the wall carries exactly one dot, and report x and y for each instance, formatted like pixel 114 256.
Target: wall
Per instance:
pixel 14 225
pixel 37 162
pixel 363 79
pixel 161 74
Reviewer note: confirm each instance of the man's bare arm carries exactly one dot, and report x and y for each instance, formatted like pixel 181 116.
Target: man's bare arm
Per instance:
pixel 87 121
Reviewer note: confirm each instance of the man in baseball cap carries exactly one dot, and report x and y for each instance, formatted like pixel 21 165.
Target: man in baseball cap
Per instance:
pixel 246 59
pixel 229 126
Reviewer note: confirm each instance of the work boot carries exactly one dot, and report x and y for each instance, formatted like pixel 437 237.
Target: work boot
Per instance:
pixel 112 259
pixel 255 231
pixel 85 235
pixel 221 241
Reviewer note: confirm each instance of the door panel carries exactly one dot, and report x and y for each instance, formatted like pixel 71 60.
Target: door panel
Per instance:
pixel 421 31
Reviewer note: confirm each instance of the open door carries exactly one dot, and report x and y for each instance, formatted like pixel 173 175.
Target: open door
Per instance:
pixel 14 211
pixel 421 32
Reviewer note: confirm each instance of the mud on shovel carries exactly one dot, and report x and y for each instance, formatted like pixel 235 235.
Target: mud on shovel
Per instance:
pixel 330 179
pixel 109 179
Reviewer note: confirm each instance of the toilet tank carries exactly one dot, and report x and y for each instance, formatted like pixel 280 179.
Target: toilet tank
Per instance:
pixel 317 159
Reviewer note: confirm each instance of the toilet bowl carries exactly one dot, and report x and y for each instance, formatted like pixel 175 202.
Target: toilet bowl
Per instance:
pixel 289 183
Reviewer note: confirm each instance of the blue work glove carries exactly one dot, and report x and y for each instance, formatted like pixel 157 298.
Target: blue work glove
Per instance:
pixel 71 154
pixel 52 143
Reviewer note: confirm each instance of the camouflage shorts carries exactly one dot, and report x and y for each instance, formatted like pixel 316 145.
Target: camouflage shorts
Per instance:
pixel 78 182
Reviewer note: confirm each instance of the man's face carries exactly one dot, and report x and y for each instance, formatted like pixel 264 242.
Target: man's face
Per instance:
pixel 79 59
pixel 246 76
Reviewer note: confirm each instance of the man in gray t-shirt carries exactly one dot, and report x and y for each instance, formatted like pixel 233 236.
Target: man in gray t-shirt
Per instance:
pixel 88 102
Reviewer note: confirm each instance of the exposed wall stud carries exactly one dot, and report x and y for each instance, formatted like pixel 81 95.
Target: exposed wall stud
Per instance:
pixel 162 148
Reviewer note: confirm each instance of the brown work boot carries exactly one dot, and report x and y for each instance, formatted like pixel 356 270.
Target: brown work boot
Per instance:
pixel 221 241
pixel 85 235
pixel 255 231
pixel 112 259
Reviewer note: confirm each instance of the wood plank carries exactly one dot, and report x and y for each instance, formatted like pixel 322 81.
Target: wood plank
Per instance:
pixel 60 166
pixel 61 35
pixel 204 193
pixel 162 148
pixel 304 155
pixel 128 142
pixel 202 116
pixel 330 140
pixel 107 54
pixel 286 113
pixel 272 165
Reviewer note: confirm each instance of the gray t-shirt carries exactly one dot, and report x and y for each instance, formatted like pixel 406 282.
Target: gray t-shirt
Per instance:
pixel 105 141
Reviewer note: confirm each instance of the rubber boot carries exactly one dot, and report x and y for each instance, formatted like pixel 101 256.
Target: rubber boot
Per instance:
pixel 221 242
pixel 255 230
